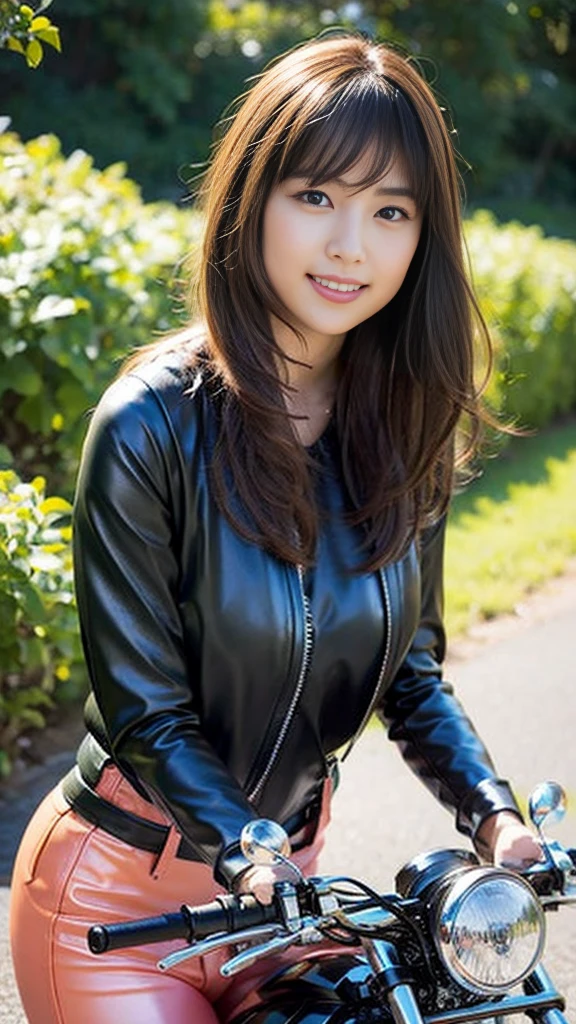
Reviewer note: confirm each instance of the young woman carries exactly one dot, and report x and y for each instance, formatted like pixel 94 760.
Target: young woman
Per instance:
pixel 258 535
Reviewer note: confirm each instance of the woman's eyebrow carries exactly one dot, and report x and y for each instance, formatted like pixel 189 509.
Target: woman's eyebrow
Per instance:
pixel 395 190
pixel 382 190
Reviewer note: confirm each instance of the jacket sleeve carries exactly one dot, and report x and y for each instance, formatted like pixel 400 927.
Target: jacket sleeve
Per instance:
pixel 424 717
pixel 126 576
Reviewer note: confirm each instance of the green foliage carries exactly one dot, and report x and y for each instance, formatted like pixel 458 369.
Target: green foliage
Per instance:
pixel 527 287
pixel 145 83
pixel 506 73
pixel 23 30
pixel 124 89
pixel 86 273
pixel 40 658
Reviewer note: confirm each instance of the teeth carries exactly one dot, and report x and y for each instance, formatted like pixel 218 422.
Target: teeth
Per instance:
pixel 337 287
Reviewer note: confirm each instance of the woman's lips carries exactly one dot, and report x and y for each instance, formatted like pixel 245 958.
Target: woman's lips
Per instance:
pixel 332 294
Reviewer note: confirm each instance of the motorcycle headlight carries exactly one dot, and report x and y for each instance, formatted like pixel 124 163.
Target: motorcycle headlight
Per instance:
pixel 490 930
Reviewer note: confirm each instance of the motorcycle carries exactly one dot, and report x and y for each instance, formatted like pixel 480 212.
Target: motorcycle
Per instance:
pixel 457 942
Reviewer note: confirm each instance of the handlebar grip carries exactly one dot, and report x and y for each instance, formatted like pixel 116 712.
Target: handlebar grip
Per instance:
pixel 102 938
pixel 224 914
pixel 228 914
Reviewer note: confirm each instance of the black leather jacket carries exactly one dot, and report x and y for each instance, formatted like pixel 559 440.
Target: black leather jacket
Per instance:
pixel 197 642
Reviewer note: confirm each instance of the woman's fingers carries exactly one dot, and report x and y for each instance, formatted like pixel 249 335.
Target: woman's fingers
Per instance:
pixel 258 882
pixel 505 841
pixel 517 848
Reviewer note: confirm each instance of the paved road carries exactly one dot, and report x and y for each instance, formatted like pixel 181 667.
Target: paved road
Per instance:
pixel 520 690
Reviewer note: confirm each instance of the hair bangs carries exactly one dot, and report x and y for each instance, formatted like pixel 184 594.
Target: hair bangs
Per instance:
pixel 369 120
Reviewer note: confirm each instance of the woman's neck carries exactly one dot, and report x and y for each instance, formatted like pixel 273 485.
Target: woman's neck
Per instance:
pixel 311 374
pixel 313 366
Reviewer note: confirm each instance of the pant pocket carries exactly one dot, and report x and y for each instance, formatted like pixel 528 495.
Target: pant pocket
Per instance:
pixel 39 832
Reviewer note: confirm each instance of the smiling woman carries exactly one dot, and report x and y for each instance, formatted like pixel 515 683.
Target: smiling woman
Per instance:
pixel 258 536
pixel 360 249
pixel 339 243
pixel 295 193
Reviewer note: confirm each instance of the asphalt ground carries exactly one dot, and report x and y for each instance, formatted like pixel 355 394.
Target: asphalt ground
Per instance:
pixel 517 679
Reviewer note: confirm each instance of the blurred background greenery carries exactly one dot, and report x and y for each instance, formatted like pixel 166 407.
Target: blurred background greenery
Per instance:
pixel 104 142
pixel 145 82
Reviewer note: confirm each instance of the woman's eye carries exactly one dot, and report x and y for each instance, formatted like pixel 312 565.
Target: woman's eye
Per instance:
pixel 392 213
pixel 315 197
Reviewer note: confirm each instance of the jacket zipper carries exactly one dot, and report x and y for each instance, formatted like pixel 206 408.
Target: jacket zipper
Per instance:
pixel 383 667
pixel 304 666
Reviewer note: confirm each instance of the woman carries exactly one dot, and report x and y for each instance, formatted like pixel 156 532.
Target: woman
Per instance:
pixel 258 534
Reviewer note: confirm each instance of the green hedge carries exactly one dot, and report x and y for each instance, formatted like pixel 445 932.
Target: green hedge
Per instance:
pixel 86 273
pixel 527 288
pixel 40 656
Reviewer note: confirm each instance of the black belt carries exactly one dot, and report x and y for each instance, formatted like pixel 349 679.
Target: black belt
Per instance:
pixel 130 828
pixel 145 834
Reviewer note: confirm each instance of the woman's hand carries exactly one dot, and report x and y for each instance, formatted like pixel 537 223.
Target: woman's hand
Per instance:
pixel 258 882
pixel 505 841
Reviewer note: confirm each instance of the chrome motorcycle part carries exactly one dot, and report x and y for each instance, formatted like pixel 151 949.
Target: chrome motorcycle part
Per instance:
pixel 216 942
pixel 547 803
pixel 287 898
pixel 307 935
pixel 248 957
pixel 490 930
pixel 264 841
pixel 384 961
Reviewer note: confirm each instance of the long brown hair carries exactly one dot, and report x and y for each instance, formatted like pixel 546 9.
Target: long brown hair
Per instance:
pixel 407 373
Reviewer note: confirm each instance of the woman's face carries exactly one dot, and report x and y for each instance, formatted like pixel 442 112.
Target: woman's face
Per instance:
pixel 328 234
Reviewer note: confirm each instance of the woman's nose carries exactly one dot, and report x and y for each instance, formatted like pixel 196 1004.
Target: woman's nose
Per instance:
pixel 346 242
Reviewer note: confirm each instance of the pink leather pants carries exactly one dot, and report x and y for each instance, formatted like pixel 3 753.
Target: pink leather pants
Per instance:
pixel 69 875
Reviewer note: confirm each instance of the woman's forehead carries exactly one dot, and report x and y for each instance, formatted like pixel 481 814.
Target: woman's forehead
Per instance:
pixel 394 174
pixel 370 171
pixel 361 136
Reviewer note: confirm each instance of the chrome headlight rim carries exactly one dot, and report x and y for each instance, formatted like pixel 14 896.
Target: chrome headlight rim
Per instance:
pixel 449 901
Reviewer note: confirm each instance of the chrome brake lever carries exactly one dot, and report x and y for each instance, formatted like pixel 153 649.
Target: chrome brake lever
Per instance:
pixel 223 939
pixel 250 956
pixel 304 936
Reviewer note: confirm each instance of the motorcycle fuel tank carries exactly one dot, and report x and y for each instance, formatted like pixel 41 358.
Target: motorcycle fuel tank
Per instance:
pixel 318 990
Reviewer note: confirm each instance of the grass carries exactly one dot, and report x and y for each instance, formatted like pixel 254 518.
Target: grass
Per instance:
pixel 512 529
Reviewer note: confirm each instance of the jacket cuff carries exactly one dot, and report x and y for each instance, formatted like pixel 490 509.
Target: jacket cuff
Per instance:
pixel 230 864
pixel 489 797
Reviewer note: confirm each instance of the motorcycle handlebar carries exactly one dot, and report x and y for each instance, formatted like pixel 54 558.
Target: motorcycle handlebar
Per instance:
pixel 102 938
pixel 224 914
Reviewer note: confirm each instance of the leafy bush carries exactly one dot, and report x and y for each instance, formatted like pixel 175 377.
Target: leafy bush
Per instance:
pixel 86 273
pixel 527 287
pixel 146 82
pixel 24 30
pixel 40 657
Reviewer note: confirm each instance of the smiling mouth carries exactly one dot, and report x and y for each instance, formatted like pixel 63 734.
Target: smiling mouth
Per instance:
pixel 335 291
pixel 336 286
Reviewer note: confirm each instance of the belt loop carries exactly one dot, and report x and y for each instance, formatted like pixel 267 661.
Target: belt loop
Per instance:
pixel 92 759
pixel 166 855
